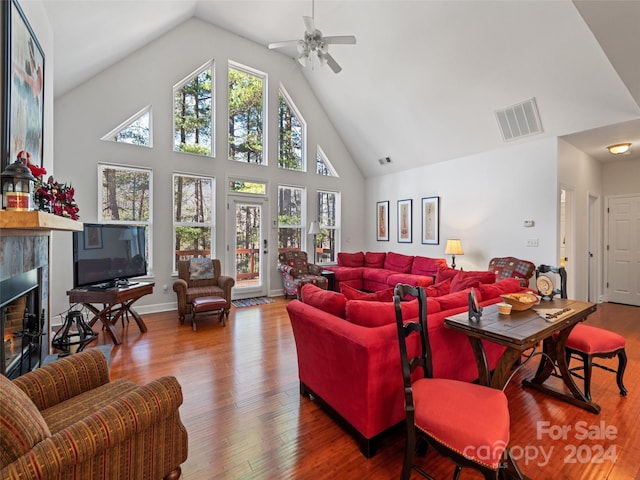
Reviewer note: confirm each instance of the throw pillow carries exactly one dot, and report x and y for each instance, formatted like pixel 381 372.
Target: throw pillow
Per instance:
pixel 200 269
pixel 438 289
pixel 325 300
pixel 354 294
pixel 463 279
pixel 351 259
pixel 445 273
pixel 494 290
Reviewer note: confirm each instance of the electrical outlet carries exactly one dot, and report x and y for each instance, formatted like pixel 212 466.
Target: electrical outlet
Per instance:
pixel 532 242
pixel 528 223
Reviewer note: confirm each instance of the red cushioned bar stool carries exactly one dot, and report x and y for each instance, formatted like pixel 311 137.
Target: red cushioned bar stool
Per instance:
pixel 587 343
pixel 208 304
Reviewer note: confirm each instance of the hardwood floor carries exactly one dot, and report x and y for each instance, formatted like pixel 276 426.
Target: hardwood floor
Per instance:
pixel 246 418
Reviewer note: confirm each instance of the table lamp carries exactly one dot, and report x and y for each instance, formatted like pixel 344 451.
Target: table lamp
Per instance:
pixel 453 248
pixel 314 229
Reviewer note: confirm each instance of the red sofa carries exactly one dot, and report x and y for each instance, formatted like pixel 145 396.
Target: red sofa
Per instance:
pixel 348 357
pixel 373 271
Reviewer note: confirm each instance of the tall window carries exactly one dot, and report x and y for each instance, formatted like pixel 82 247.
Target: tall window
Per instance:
pixel 246 113
pixel 192 113
pixel 125 196
pixel 290 218
pixel 193 199
pixel 328 240
pixel 291 135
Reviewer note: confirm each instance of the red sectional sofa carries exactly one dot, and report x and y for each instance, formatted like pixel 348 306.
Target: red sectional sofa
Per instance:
pixel 348 356
pixel 373 271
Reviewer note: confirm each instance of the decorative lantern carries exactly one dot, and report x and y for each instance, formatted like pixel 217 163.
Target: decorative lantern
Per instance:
pixel 17 187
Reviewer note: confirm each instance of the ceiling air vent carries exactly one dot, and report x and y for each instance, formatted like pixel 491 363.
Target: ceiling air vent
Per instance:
pixel 519 120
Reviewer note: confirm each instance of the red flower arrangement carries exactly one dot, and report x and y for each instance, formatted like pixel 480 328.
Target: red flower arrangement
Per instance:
pixel 57 198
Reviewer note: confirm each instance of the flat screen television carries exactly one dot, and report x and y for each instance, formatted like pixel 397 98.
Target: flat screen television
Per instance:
pixel 107 255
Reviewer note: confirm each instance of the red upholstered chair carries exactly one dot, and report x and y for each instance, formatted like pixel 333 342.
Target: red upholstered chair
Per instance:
pixel 465 422
pixel 586 342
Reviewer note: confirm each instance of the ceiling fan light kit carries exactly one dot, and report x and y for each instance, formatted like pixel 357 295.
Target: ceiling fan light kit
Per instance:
pixel 315 46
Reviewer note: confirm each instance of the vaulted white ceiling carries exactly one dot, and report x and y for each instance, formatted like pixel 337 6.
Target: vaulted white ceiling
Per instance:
pixel 425 78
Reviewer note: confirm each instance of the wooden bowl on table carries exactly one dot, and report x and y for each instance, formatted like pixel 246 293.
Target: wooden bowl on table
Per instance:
pixel 521 301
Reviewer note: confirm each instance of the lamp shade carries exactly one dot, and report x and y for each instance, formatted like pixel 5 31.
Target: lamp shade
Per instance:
pixel 453 247
pixel 314 228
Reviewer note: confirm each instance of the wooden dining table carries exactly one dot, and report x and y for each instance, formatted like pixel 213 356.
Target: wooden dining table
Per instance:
pixel 521 331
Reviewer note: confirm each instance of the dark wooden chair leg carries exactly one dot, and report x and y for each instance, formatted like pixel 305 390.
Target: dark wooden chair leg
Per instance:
pixel 588 367
pixel 622 365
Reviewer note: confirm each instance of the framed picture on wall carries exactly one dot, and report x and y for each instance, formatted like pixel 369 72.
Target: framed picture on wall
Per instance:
pixel 405 234
pixel 431 220
pixel 23 87
pixel 382 221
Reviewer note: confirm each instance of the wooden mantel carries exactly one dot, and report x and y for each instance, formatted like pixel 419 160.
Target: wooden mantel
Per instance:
pixel 37 220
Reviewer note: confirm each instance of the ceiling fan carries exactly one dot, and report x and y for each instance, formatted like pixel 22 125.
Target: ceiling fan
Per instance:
pixel 316 45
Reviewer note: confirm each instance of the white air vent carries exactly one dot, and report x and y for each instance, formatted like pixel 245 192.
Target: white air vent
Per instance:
pixel 519 120
pixel 384 161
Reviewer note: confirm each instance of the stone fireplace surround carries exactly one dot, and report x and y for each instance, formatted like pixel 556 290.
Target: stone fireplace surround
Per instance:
pixel 25 245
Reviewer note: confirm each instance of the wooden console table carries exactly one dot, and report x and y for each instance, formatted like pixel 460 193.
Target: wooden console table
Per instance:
pixel 521 331
pixel 116 302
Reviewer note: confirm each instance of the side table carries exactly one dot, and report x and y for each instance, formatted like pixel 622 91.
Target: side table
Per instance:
pixel 331 278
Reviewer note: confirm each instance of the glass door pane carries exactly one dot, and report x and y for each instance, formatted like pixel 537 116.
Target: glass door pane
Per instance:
pixel 248 250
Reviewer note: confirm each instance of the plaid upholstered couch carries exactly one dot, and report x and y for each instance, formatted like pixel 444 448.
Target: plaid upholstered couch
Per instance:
pixel 67 420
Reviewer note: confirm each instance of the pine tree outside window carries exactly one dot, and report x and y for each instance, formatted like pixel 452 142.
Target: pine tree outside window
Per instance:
pixel 134 131
pixel 290 218
pixel 125 197
pixel 193 220
pixel 328 240
pixel 246 116
pixel 291 135
pixel 192 113
pixel 323 165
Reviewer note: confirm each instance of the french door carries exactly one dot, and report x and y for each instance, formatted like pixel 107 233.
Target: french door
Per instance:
pixel 247 250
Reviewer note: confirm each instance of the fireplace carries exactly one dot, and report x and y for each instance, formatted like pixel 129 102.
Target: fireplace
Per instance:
pixel 21 324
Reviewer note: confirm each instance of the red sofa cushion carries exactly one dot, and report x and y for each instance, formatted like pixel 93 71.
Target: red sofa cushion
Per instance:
pixel 409 279
pixel 351 259
pixel 438 289
pixel 398 262
pixel 469 279
pixel 427 266
pixel 374 259
pixel 445 273
pixel 376 314
pixel 325 300
pixel 494 290
pixel 454 300
pixel 351 293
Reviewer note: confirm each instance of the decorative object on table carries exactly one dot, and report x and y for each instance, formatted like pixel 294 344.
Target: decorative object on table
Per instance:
pixel 17 187
pixel 74 334
pixel 382 221
pixel 475 310
pixel 504 308
pixel 546 284
pixel 57 198
pixel 405 221
pixel 453 248
pixel 23 81
pixel 314 229
pixel 431 220
pixel 521 301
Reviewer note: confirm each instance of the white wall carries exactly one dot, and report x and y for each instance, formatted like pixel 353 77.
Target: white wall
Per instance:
pixel 581 174
pixel 621 177
pixel 146 77
pixel 484 200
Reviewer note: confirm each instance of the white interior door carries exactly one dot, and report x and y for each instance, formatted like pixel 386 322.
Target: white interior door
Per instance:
pixel 623 250
pixel 248 248
pixel 593 289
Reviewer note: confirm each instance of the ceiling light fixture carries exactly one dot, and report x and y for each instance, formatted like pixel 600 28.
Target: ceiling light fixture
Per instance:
pixel 619 148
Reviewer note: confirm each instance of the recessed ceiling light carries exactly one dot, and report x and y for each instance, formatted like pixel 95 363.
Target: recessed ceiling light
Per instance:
pixel 619 148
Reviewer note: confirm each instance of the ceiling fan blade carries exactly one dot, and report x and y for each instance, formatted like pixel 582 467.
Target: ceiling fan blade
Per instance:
pixel 332 62
pixel 309 24
pixel 340 39
pixel 287 43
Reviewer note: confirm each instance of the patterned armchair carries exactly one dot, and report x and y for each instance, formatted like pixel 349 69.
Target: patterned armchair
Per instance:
pixel 67 420
pixel 201 277
pixel 296 272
